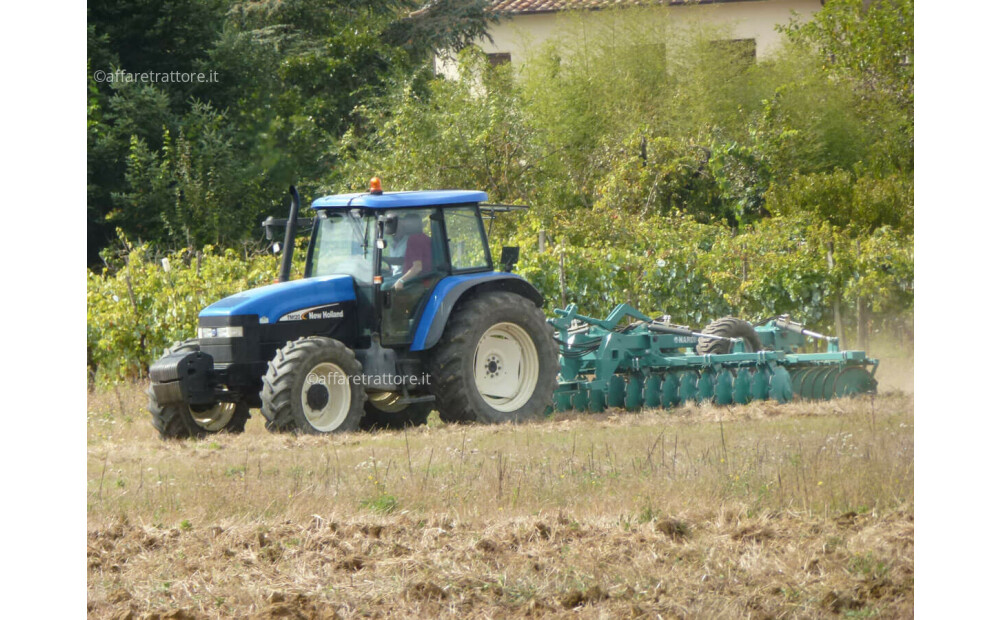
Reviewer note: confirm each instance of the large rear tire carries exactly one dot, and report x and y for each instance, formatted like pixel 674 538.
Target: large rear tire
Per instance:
pixel 313 385
pixel 496 361
pixel 182 421
pixel 728 327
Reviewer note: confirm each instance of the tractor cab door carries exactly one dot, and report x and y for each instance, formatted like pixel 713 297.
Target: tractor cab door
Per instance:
pixel 413 262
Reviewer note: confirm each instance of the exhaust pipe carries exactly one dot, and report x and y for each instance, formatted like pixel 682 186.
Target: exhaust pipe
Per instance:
pixel 288 248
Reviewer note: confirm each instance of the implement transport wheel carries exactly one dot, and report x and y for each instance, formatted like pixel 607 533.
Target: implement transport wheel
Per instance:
pixel 181 421
pixel 383 411
pixel 313 385
pixel 496 362
pixel 728 327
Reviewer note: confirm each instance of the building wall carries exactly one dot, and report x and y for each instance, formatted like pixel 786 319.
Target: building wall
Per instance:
pixel 744 20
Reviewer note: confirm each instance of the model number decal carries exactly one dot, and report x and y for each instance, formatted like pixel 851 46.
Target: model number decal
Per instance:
pixel 318 312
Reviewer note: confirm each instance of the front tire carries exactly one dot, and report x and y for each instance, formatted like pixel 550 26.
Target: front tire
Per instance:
pixel 180 421
pixel 496 361
pixel 313 385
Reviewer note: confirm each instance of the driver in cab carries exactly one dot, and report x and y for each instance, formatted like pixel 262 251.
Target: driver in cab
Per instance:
pixel 410 247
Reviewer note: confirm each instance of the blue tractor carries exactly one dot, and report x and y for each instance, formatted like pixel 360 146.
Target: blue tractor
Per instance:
pixel 401 311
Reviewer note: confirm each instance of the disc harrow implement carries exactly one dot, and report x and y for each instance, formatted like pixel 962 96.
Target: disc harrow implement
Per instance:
pixel 631 361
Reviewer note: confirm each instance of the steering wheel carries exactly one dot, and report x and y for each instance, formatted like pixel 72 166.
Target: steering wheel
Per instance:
pixel 388 262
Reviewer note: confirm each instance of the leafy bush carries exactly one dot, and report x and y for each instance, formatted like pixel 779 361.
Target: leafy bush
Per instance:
pixel 862 203
pixel 697 272
pixel 142 304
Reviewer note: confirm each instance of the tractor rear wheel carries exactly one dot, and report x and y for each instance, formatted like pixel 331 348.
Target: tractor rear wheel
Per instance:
pixel 382 412
pixel 313 385
pixel 181 421
pixel 728 327
pixel 496 361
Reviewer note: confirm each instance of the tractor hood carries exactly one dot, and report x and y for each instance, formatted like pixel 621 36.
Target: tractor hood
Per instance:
pixel 277 300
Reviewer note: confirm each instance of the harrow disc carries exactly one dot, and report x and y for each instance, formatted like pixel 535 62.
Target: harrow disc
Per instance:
pixel 741 387
pixel 828 383
pixel 564 401
pixel 724 388
pixel 595 400
pixel 798 374
pixel 688 388
pixel 633 393
pixel 854 380
pixel 706 385
pixel 811 375
pixel 760 383
pixel 651 391
pixel 668 390
pixel 821 376
pixel 781 386
pixel 616 391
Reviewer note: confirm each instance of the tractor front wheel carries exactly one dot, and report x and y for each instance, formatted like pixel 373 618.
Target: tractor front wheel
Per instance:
pixel 496 361
pixel 181 421
pixel 313 385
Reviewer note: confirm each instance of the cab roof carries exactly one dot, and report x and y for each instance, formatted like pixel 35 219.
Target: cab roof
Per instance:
pixel 400 200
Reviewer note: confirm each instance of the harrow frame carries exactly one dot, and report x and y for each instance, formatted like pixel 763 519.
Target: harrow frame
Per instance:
pixel 647 363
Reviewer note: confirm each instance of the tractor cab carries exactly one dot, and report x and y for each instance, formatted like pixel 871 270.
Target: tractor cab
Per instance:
pixel 397 247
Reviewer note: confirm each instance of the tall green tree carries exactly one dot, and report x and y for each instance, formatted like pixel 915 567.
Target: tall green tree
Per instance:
pixel 289 73
pixel 867 42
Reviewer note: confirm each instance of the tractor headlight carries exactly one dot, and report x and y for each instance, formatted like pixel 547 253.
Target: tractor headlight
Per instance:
pixel 229 331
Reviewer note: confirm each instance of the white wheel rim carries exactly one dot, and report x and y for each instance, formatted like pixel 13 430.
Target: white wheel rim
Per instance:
pixel 506 367
pixel 215 419
pixel 326 415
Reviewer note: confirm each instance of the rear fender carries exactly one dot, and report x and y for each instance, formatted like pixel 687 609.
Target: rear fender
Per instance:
pixel 451 290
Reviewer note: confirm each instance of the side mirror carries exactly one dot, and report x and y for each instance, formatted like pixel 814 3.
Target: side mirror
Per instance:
pixel 509 256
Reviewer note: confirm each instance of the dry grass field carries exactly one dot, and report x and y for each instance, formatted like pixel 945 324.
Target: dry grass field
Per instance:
pixel 764 511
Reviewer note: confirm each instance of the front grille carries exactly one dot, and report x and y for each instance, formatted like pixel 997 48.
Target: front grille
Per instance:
pixel 226 350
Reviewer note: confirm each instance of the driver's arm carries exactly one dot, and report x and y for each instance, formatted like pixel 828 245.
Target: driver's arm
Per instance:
pixel 415 270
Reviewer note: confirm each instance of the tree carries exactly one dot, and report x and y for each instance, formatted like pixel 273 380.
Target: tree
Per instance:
pixel 290 73
pixel 867 42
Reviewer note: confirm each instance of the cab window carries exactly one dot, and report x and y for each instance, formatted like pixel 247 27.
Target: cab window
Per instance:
pixel 466 241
